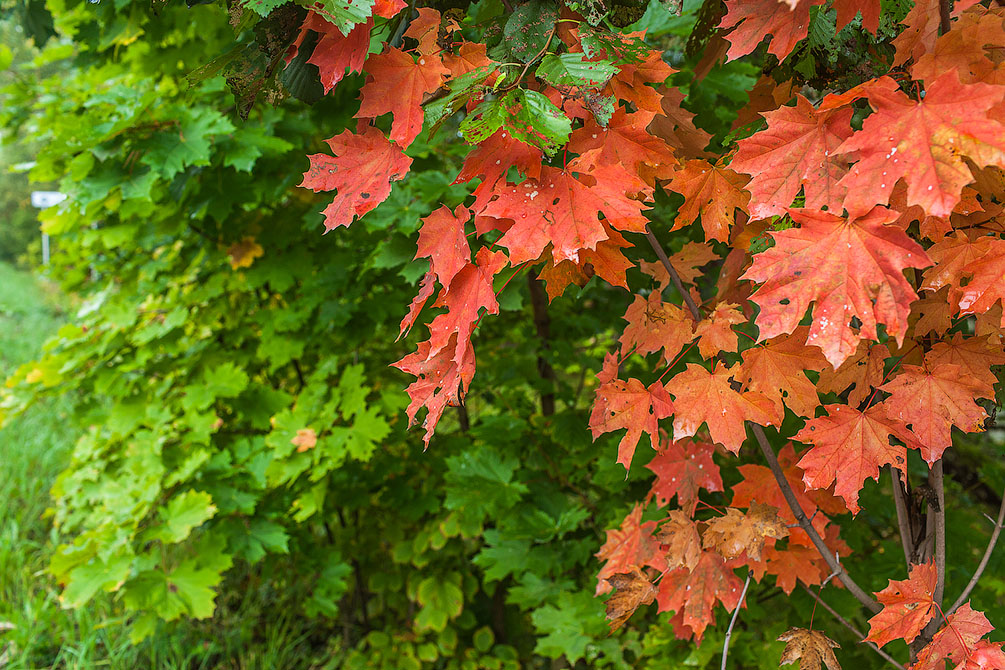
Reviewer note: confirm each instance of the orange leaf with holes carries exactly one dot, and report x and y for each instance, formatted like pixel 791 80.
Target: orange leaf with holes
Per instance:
pixel 908 606
pixel 682 469
pixel 707 397
pixel 630 405
pixel 848 268
pixel 694 594
pixel 739 533
pixel 714 193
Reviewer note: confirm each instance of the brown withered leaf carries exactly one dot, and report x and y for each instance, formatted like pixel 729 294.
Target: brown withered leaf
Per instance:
pixel 680 533
pixel 810 647
pixel 632 591
pixel 735 533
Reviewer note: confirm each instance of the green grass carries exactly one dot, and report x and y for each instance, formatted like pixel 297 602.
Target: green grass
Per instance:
pixel 249 630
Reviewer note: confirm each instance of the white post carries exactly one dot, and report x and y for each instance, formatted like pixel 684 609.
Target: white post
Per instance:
pixel 41 200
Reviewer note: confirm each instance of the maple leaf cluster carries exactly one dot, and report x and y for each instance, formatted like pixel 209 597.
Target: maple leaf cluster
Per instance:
pixel 857 237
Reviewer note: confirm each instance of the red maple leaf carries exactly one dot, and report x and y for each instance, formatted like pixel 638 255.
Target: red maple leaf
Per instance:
pixel 712 192
pixel 797 149
pixel 397 84
pixel 924 142
pixel 681 470
pixel 628 548
pixel 908 606
pixel 849 447
pixel 426 287
pixel 628 404
pixel 442 240
pixel 932 402
pixel 441 380
pixel 361 171
pixel 624 141
pixel 861 371
pixel 848 9
pixel 956 640
pixel 974 355
pixel 752 20
pixel 334 52
pixel 847 268
pixel 707 397
pixel 607 261
pixel 985 288
pixel 493 158
pixel 693 594
pixel 654 325
pixel 563 210
pixel 715 332
pixel 469 292
pixel 777 371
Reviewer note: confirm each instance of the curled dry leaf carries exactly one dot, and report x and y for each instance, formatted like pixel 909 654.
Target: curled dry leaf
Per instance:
pixel 736 533
pixel 811 648
pixel 680 533
pixel 632 590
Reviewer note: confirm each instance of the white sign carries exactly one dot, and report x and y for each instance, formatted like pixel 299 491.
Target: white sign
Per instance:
pixel 43 199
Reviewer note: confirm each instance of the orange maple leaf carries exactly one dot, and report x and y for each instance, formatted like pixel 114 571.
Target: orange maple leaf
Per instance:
pixel 932 402
pixel 629 547
pixel 847 268
pixel 628 404
pixel 397 85
pixel 707 397
pixel 442 240
pixel 737 532
pixel 693 594
pixel 712 192
pixel 777 370
pixel 654 325
pixel 361 172
pixel 632 591
pixel 679 533
pixel 849 447
pixel 956 640
pixel 682 469
pixel 908 606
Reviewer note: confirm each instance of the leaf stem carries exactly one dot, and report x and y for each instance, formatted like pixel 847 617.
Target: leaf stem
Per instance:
pixel 732 621
pixel 844 622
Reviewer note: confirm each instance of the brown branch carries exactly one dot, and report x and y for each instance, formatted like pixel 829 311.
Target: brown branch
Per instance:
pixel 542 324
pixel 984 560
pixel 769 455
pixel 935 480
pixel 944 19
pixel 903 520
pixel 858 634
pixel 662 255
pixel 797 510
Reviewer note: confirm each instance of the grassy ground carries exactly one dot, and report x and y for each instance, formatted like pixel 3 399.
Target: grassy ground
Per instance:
pixel 32 451
pixel 247 633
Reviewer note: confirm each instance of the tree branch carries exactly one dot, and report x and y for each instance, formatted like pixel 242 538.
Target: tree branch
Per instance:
pixel 944 19
pixel 984 560
pixel 729 631
pixel 797 510
pixel 662 255
pixel 858 634
pixel 935 480
pixel 903 520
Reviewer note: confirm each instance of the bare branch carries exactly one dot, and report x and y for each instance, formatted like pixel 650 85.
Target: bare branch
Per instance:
pixel 935 480
pixel 944 19
pixel 797 510
pixel 984 560
pixel 903 520
pixel 662 255
pixel 729 631
pixel 858 634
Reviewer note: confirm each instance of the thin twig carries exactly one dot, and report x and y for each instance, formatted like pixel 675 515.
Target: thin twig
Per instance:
pixel 858 634
pixel 662 255
pixel 984 560
pixel 769 455
pixel 797 510
pixel 903 520
pixel 729 631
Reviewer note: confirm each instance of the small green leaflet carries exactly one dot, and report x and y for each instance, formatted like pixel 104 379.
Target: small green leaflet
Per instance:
pixel 569 69
pixel 460 91
pixel 529 115
pixel 263 7
pixel 622 48
pixel 529 29
pixel 185 512
pixel 345 14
